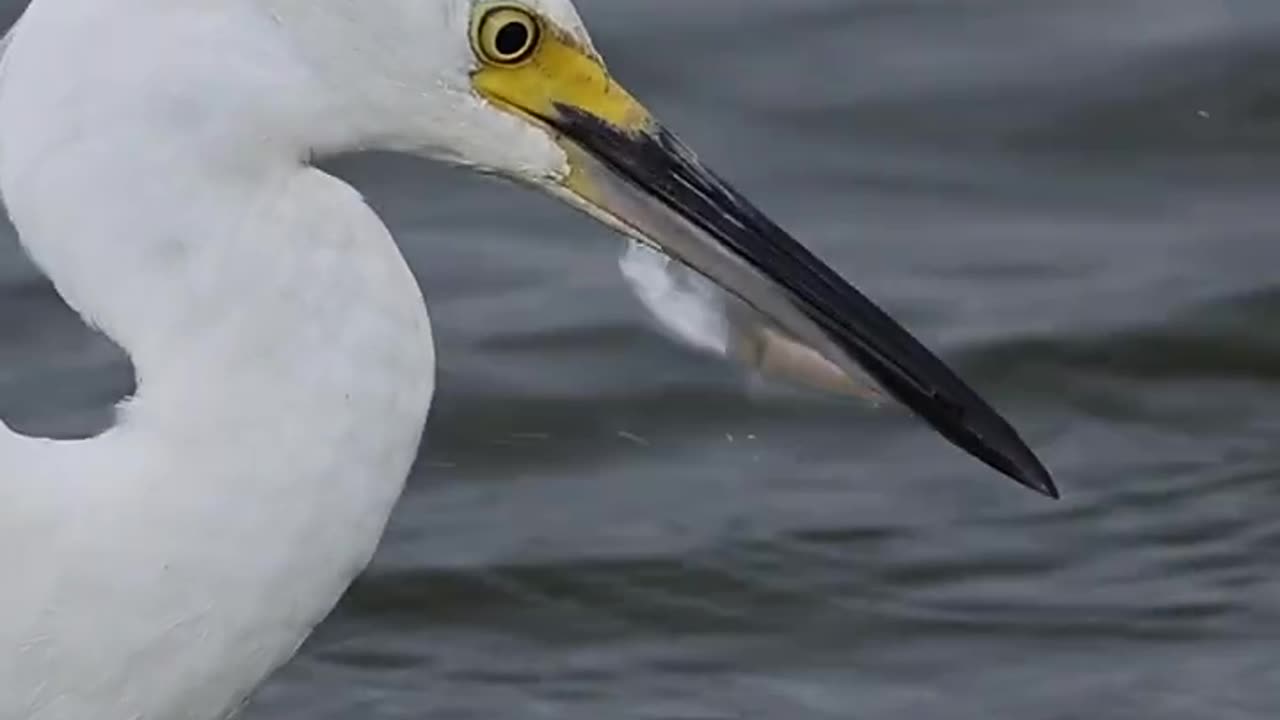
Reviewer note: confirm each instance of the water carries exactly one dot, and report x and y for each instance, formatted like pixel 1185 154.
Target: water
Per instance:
pixel 1074 202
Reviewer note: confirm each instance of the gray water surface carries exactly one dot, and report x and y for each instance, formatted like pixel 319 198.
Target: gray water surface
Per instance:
pixel 1075 201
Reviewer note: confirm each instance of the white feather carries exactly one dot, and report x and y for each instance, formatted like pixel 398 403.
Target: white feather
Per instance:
pixel 699 313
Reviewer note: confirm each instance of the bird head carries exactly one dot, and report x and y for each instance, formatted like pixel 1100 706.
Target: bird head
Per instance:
pixel 516 88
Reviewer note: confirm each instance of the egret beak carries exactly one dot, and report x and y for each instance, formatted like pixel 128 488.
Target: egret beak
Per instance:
pixel 628 171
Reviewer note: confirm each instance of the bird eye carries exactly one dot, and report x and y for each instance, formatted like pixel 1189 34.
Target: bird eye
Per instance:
pixel 507 35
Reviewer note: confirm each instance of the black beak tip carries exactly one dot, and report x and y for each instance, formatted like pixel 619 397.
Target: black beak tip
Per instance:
pixel 1035 476
pixel 1020 464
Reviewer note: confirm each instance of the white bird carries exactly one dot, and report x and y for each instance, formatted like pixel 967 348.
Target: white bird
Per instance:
pixel 155 160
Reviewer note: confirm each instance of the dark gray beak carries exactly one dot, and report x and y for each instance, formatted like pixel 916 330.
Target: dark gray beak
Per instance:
pixel 650 186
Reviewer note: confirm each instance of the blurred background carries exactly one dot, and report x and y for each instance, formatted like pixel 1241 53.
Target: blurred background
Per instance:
pixel 1072 200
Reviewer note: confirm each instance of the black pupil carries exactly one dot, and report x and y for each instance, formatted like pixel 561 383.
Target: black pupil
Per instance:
pixel 511 39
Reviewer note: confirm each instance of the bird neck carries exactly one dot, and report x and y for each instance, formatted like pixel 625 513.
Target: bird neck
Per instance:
pixel 284 363
pixel 265 294
pixel 283 354
pixel 172 206
pixel 285 371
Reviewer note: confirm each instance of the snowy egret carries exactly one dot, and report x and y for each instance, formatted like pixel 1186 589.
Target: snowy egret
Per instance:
pixel 155 160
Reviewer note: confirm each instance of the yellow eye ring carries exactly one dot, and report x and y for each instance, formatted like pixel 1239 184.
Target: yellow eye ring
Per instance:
pixel 507 35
